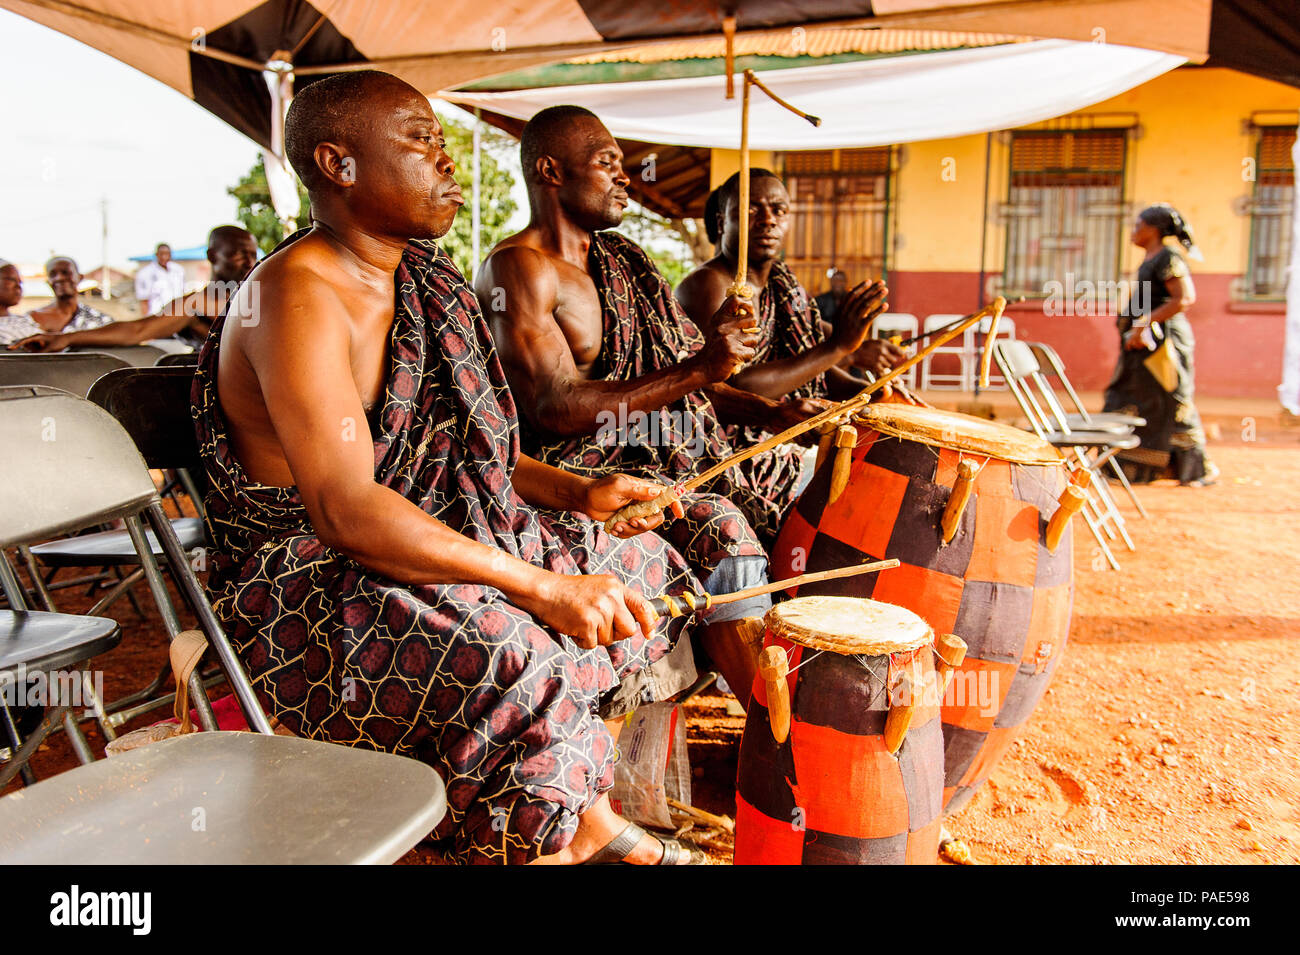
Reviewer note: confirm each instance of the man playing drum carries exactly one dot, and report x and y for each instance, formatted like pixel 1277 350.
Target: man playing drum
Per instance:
pixel 591 339
pixel 393 573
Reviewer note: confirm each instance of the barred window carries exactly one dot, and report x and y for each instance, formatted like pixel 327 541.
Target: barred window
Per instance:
pixel 1271 212
pixel 839 206
pixel 1064 212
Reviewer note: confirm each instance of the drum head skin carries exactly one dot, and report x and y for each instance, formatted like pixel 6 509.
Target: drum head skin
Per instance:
pixel 960 432
pixel 848 625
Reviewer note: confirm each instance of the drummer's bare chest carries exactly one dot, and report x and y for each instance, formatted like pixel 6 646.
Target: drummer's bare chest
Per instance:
pixel 578 314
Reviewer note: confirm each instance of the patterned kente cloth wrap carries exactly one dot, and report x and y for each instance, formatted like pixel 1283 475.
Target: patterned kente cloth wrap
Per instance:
pixel 1159 385
pixel 789 324
pixel 645 330
pixel 505 710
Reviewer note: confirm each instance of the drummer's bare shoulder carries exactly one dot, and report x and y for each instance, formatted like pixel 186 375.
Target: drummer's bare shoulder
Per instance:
pixel 702 292
pixel 537 302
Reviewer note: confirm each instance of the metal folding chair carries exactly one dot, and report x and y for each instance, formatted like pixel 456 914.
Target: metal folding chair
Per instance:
pixel 73 372
pixel 153 405
pixel 278 799
pixel 963 349
pixel 897 325
pixel 190 358
pixel 136 356
pixel 1049 362
pixel 1091 449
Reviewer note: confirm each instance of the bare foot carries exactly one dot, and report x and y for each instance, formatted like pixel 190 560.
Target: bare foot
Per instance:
pixel 597 828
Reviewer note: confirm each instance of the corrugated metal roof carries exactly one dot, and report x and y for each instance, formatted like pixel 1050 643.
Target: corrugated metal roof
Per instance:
pixel 801 42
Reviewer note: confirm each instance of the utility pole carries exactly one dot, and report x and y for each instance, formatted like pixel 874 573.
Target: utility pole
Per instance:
pixel 474 209
pixel 105 284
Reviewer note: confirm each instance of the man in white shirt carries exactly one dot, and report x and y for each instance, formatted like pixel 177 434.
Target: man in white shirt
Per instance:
pixel 159 281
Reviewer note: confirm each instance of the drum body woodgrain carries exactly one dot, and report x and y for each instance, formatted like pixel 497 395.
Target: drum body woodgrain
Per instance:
pixel 830 792
pixel 995 584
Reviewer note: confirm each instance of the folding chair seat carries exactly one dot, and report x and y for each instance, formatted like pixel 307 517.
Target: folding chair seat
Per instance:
pixel 962 348
pixel 266 800
pixel 277 799
pixel 73 372
pixel 36 642
pixel 1091 449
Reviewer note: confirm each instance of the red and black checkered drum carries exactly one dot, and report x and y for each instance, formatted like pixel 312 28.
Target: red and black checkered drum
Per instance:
pixel 994 584
pixel 826 790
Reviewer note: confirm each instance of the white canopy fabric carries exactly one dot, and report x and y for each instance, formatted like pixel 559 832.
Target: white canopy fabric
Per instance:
pixel 871 103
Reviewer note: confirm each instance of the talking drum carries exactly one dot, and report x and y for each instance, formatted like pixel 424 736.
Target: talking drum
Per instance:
pixel 965 504
pixel 830 772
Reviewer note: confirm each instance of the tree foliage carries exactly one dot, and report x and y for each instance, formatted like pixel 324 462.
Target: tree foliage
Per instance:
pixel 677 246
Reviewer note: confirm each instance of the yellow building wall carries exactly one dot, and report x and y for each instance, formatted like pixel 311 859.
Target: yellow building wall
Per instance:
pixel 725 162
pixel 1191 149
pixel 938 196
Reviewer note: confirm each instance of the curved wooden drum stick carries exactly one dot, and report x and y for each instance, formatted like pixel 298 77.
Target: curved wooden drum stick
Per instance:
pixel 1069 503
pixel 961 491
pixel 774 667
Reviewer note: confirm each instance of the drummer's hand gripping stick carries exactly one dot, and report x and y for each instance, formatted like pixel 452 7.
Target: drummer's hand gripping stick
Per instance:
pixel 844 409
pixel 681 605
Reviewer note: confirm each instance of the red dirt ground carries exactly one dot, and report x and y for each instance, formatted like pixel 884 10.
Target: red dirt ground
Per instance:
pixel 1164 738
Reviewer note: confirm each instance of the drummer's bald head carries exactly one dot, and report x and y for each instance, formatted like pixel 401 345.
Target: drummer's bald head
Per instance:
pixel 334 110
pixel 550 133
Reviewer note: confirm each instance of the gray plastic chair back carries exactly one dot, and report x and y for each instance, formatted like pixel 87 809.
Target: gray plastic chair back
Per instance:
pixel 137 356
pixel 68 464
pixel 73 372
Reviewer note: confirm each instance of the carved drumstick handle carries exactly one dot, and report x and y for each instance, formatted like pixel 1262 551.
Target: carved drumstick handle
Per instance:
pixel 1069 503
pixel 846 439
pixel 961 491
pixel 951 651
pixel 774 667
pixel 643 508
pixel 899 719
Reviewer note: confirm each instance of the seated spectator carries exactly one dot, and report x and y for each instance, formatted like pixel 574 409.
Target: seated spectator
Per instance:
pixel 232 252
pixel 11 288
pixel 159 281
pixel 67 313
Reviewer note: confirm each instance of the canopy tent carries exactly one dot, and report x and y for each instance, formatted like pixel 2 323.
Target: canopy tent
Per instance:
pixel 217 51
pixel 867 103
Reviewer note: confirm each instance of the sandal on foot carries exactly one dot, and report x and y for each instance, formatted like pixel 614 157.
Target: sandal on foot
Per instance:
pixel 618 848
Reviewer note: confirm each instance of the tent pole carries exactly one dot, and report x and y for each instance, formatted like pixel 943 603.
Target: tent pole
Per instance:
pixel 1289 390
pixel 475 215
pixel 105 286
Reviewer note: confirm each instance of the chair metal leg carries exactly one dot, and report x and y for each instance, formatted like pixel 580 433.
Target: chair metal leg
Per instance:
pixel 79 745
pixel 1101 541
pixel 38 582
pixel 177 563
pixel 1128 488
pixel 20 756
pixel 159 590
pixel 15 746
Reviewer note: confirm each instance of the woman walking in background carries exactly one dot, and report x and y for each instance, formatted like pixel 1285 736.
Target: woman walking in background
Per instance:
pixel 1154 377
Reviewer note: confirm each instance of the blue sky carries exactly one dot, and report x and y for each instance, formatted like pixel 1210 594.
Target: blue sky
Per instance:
pixel 82 127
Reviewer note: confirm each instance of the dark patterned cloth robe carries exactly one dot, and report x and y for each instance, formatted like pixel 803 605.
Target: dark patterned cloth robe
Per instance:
pixel 454 675
pixel 645 331
pixel 1173 441
pixel 789 324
